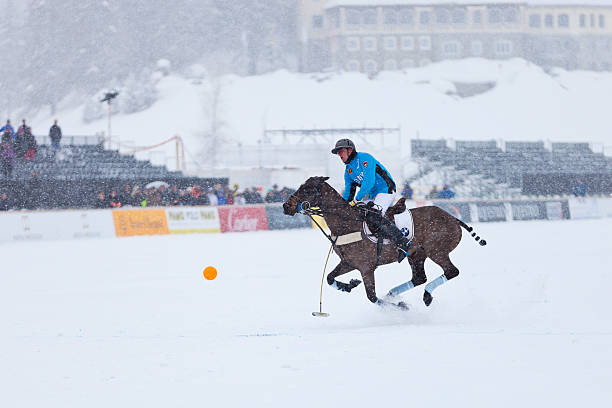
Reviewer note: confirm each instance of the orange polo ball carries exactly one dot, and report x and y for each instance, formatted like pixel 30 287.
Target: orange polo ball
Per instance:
pixel 210 272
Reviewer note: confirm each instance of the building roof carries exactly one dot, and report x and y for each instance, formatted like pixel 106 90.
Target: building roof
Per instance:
pixel 576 3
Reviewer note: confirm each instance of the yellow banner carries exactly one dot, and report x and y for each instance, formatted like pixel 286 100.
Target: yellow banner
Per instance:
pixel 129 223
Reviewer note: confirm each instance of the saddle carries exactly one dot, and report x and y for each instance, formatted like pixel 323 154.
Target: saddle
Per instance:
pixel 396 208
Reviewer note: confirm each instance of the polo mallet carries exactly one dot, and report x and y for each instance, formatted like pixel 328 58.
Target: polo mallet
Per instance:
pixel 320 313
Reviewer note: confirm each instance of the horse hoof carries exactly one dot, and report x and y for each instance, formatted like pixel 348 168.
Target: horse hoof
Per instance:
pixel 427 298
pixel 402 306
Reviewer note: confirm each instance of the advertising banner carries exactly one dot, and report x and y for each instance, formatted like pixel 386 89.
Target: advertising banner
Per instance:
pixel 528 210
pixel 190 220
pixel 605 206
pixel 240 219
pixel 278 220
pixel 129 223
pixel 489 211
pixel 457 210
pixel 583 207
pixel 53 225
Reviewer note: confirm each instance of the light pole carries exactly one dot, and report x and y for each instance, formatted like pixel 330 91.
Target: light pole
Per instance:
pixel 108 98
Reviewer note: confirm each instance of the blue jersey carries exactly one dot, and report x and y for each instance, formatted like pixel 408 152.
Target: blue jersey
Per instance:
pixel 365 171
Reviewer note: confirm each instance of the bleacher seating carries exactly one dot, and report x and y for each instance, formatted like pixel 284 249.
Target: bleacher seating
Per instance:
pixel 77 162
pixel 517 162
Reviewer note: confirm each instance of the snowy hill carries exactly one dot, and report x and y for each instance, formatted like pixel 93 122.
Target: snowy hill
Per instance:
pixel 517 101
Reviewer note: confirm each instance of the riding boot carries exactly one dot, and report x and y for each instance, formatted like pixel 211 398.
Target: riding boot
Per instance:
pixel 390 230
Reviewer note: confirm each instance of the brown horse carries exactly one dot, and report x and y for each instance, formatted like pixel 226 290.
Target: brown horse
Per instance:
pixel 436 234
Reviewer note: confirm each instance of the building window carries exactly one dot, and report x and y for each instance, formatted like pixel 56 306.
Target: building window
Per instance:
pixel 353 17
pixel 406 17
pixel 370 66
pixel 425 42
pixel 425 61
pixel 352 65
pixel 390 43
pixel 390 65
pixel 317 21
pixel 548 20
pixel 476 47
pixel 503 47
pixel 425 17
pixel 602 21
pixel 451 48
pixel 352 44
pixel 510 16
pixel 389 16
pixel 563 20
pixel 407 63
pixel 477 17
pixel 407 43
pixel 592 20
pixel 582 20
pixel 494 16
pixel 458 16
pixel 534 21
pixel 369 43
pixel 370 17
pixel 442 16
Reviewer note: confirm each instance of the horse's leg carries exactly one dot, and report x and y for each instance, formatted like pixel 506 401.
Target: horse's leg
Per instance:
pixel 370 286
pixel 418 276
pixel 341 269
pixel 450 271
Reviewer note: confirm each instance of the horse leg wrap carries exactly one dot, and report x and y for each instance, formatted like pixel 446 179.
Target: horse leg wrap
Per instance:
pixel 435 283
pixel 401 288
pixel 346 287
pixel 427 298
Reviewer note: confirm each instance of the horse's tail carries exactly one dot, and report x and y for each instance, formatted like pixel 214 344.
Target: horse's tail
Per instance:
pixel 470 229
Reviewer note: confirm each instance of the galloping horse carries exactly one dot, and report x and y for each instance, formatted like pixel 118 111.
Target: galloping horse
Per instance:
pixel 436 234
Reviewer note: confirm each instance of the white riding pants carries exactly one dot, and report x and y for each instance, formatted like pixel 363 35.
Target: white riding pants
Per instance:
pixel 383 201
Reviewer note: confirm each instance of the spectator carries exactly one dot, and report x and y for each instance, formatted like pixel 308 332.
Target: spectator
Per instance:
pixel 31 145
pixel 212 197
pixel 8 128
pixel 256 196
pixel 433 193
pixel 407 191
pixel 126 196
pixel 19 143
pixel 138 198
pixel 7 155
pixel 173 196
pixel 114 200
pixel 23 126
pixel 55 134
pixel 5 203
pixel 101 201
pixel 446 193
pixel 229 195
pixel 220 193
pixel 239 199
pixel 273 195
pixel 580 189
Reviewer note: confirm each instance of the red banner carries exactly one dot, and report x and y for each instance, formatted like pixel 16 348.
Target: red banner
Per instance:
pixel 240 219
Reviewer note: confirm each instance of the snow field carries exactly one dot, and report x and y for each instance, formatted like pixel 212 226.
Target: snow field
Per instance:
pixel 133 322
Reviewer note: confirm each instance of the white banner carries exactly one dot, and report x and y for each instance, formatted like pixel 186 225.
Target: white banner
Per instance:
pixel 189 220
pixel 583 208
pixel 605 206
pixel 53 225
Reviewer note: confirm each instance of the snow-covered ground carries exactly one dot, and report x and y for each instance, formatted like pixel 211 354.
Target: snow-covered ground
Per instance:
pixel 526 103
pixel 132 322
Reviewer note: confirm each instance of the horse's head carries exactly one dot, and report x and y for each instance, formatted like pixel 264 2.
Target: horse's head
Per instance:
pixel 307 196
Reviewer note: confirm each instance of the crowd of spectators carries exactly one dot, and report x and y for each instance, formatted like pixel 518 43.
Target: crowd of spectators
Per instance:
pixel 21 145
pixel 161 194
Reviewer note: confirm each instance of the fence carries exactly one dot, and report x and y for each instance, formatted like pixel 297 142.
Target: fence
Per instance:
pixel 42 225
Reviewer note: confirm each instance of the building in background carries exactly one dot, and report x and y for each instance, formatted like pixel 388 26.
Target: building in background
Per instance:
pixel 375 35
